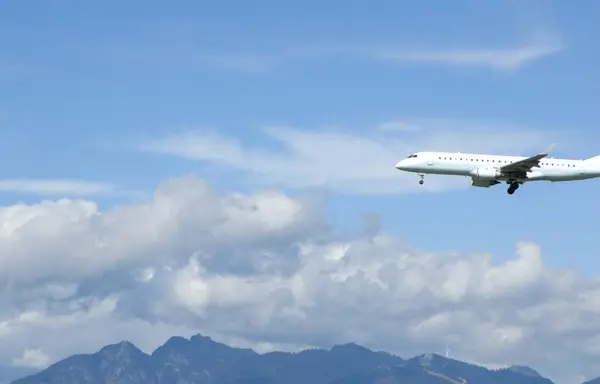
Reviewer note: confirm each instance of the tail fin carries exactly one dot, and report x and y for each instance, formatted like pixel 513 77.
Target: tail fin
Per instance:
pixel 547 151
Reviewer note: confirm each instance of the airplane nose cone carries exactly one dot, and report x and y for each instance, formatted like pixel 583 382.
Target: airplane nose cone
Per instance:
pixel 401 166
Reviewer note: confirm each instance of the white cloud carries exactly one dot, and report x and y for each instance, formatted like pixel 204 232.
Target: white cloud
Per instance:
pixel 249 269
pixel 99 240
pixel 502 59
pixel 32 358
pixel 352 162
pixel 174 52
pixel 541 43
pixel 56 187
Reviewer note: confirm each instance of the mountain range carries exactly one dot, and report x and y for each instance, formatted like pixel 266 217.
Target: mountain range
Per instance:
pixel 201 360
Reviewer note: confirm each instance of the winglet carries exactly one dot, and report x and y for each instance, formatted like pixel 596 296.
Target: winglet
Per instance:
pixel 547 151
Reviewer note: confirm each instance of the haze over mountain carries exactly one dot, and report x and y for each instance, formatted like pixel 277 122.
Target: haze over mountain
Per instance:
pixel 10 373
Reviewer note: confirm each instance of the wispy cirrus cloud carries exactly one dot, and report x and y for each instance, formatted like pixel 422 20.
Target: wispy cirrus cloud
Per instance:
pixel 56 187
pixel 348 162
pixel 502 59
pixel 538 43
pixel 507 58
pixel 512 56
pixel 177 51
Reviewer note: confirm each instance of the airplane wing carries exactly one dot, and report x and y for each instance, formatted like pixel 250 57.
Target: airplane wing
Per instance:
pixel 521 167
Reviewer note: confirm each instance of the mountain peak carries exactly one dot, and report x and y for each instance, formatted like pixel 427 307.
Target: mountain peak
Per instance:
pixel 176 341
pixel 349 347
pixel 198 338
pixel 427 359
pixel 524 370
pixel 124 347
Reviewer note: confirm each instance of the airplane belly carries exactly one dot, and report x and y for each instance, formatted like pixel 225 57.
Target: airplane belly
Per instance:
pixel 537 175
pixel 455 169
pixel 566 177
pixel 457 172
pixel 554 175
pixel 442 169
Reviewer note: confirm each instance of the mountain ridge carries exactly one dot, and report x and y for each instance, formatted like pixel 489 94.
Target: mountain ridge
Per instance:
pixel 201 360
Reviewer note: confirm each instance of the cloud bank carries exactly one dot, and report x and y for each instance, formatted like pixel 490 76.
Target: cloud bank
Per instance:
pixel 266 270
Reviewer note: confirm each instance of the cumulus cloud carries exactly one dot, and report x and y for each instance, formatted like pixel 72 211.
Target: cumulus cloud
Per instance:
pixel 350 161
pixel 264 270
pixel 32 358
pixel 81 241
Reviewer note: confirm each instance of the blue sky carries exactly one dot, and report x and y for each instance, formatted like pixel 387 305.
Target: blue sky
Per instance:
pixel 104 93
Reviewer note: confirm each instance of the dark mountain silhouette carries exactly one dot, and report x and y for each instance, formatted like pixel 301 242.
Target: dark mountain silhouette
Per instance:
pixel 200 360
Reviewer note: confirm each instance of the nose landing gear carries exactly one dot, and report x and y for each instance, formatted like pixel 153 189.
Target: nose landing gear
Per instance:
pixel 421 181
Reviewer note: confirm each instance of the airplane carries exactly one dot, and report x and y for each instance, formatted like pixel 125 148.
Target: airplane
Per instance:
pixel 488 170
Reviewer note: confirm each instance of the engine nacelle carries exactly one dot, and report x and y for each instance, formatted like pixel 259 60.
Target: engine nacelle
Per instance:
pixel 486 173
pixel 482 183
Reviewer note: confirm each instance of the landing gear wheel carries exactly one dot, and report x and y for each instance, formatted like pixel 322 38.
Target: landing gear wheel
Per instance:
pixel 513 187
pixel 421 181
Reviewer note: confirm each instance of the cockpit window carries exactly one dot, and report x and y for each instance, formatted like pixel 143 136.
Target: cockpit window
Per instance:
pixel 411 156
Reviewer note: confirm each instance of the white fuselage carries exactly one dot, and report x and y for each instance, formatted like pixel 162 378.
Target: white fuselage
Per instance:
pixel 465 164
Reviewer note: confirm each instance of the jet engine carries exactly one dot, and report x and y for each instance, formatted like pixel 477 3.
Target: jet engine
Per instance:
pixel 486 173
